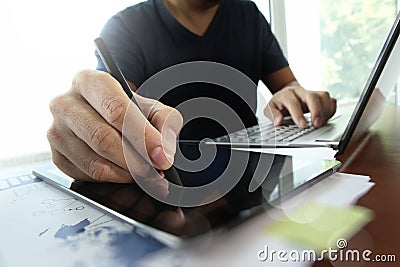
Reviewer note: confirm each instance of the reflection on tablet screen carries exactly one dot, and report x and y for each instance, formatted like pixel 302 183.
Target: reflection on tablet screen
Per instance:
pixel 286 177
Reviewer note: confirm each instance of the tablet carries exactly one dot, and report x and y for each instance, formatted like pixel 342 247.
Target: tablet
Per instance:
pixel 258 182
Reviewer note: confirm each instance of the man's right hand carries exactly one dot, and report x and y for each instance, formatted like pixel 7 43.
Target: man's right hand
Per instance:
pixel 86 134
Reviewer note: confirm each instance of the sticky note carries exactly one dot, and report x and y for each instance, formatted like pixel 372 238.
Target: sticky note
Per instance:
pixel 317 226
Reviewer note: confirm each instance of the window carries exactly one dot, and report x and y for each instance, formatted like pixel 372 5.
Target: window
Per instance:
pixel 43 44
pixel 332 45
pixel 263 6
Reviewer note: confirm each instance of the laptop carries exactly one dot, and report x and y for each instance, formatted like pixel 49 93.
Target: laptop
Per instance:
pixel 347 125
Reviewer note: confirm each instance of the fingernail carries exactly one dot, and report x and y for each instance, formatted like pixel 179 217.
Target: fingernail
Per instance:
pixel 277 120
pixel 158 156
pixel 170 157
pixel 302 122
pixel 169 145
pixel 170 138
pixel 317 122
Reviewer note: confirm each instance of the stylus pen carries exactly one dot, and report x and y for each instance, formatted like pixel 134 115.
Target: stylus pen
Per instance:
pixel 171 174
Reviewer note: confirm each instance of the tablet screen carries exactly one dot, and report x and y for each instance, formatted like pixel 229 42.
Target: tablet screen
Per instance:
pixel 283 177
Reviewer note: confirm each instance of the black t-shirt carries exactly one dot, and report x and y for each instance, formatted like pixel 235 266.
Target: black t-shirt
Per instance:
pixel 145 39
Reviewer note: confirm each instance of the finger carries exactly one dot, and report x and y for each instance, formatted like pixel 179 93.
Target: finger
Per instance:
pixel 68 168
pixel 103 139
pixel 293 104
pixel 146 140
pixel 90 127
pixel 86 159
pixel 106 96
pixel 333 107
pixel 137 165
pixel 328 104
pixel 314 105
pixel 145 174
pixel 160 185
pixel 273 113
pixel 168 121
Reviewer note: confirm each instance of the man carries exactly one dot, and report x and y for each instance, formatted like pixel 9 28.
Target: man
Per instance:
pixel 85 137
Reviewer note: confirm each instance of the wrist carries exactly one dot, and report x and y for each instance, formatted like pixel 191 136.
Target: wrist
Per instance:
pixel 292 84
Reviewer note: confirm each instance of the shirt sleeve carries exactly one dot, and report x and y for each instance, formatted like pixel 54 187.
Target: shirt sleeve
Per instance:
pixel 272 55
pixel 124 49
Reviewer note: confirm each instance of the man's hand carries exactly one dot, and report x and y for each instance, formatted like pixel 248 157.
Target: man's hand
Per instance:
pixel 294 100
pixel 86 135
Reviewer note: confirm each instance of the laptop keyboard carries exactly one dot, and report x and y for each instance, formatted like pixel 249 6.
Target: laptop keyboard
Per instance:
pixel 266 132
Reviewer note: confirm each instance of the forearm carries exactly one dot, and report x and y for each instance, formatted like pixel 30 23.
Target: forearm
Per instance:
pixel 280 79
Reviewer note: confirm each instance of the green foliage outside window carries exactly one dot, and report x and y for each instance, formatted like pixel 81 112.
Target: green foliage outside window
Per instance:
pixel 352 34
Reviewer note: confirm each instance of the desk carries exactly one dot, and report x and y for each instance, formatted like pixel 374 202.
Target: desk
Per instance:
pixel 378 158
